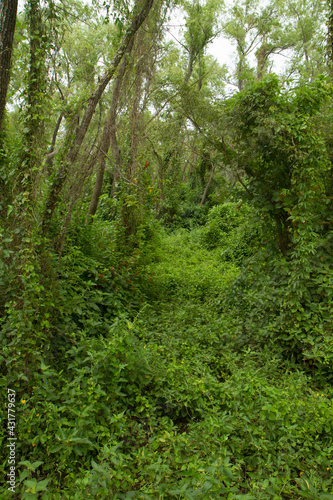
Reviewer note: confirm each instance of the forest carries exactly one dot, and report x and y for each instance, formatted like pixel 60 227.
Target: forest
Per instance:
pixel 166 249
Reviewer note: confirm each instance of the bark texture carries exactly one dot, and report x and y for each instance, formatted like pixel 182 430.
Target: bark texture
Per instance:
pixel 109 137
pixel 330 37
pixel 51 153
pixel 8 10
pixel 207 186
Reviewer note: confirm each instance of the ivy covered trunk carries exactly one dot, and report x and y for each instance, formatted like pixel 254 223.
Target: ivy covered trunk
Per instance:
pixel 8 10
pixel 330 37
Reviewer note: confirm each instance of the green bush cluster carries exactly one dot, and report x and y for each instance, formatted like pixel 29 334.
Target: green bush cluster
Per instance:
pixel 164 399
pixel 230 227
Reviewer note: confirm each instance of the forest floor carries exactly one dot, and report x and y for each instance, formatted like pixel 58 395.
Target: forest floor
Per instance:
pixel 230 420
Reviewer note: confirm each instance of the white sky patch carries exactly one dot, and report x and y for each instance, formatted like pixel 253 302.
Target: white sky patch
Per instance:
pixel 224 51
pixel 221 48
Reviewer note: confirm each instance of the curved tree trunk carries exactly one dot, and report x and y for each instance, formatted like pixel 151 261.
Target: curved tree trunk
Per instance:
pixel 8 10
pixel 51 152
pixel 330 37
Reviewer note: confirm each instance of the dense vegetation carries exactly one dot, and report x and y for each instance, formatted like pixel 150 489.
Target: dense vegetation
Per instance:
pixel 166 251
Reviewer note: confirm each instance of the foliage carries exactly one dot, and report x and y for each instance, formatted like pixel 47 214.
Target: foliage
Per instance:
pixel 225 228
pixel 167 405
pixel 175 341
pixel 288 169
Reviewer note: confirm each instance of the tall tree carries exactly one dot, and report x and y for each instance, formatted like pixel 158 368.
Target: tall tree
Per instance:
pixel 130 98
pixel 8 11
pixel 109 137
pixel 93 100
pixel 293 29
pixel 201 29
pixel 330 36
pixel 307 32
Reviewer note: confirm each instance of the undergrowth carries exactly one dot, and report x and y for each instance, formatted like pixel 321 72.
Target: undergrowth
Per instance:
pixel 151 394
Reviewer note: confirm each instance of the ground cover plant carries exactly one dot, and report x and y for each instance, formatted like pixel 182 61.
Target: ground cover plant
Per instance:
pixel 166 402
pixel 166 251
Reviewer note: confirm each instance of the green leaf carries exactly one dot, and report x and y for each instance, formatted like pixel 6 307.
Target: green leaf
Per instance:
pixel 42 485
pixel 30 483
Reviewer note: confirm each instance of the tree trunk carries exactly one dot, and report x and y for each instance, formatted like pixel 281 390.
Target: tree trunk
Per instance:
pixel 190 64
pixel 135 123
pixel 207 187
pixel 109 136
pixel 51 152
pixel 261 55
pixel 240 75
pixel 35 102
pixel 8 10
pixel 283 236
pixel 330 38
